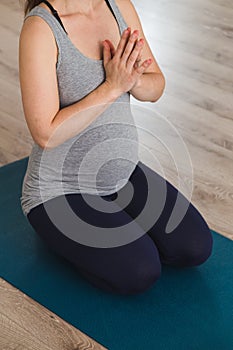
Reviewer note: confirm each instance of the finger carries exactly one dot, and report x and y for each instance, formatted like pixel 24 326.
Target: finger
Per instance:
pixel 141 69
pixel 138 61
pixel 129 46
pixel 106 53
pixel 140 53
pixel 139 58
pixel 122 43
pixel 134 54
pixel 112 48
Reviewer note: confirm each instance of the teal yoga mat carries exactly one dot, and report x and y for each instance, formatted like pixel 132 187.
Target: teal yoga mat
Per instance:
pixel 187 309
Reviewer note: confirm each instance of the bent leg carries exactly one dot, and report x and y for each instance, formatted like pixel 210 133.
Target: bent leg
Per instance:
pixel 190 243
pixel 125 269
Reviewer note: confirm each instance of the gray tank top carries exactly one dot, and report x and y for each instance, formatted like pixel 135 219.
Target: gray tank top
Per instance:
pixel 98 160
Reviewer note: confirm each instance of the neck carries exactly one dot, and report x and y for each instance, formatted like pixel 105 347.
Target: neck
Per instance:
pixel 68 7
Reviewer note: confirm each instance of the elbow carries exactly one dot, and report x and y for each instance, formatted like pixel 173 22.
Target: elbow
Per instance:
pixel 41 141
pixel 161 90
pixel 48 143
pixel 43 138
pixel 39 135
pixel 45 145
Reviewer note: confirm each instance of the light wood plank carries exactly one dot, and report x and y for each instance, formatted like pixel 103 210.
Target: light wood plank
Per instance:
pixel 23 321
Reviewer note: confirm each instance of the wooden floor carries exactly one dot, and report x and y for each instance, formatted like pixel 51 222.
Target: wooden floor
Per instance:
pixel 192 42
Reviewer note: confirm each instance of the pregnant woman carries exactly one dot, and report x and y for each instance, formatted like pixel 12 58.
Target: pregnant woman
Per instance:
pixel 79 62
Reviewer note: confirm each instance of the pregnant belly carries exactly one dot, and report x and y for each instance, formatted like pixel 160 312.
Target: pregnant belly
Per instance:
pixel 103 157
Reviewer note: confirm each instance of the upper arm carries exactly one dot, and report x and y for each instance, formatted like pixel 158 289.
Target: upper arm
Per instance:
pixel 37 75
pixel 133 21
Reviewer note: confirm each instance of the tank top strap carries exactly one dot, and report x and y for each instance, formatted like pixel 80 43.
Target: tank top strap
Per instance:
pixel 55 13
pixel 50 19
pixel 55 26
pixel 120 19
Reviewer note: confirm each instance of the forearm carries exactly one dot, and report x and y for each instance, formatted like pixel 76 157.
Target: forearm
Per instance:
pixel 73 119
pixel 150 87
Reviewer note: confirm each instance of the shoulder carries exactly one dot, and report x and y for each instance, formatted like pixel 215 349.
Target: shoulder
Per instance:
pixel 124 3
pixel 35 25
pixel 36 34
pixel 129 13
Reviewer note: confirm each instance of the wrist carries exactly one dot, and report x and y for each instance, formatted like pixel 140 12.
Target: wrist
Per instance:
pixel 111 90
pixel 138 84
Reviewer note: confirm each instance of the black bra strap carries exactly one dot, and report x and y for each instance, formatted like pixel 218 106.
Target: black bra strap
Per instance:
pixel 107 2
pixel 54 12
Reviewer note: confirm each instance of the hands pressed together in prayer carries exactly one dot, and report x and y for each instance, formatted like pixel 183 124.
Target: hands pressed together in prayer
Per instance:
pixel 122 65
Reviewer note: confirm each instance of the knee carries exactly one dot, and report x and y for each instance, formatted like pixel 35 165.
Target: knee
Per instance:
pixel 194 242
pixel 200 253
pixel 197 251
pixel 139 280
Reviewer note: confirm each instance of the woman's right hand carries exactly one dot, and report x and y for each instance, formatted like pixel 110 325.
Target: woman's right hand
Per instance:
pixel 121 74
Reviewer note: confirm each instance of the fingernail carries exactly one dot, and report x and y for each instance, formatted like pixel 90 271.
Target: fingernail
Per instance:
pixel 135 33
pixel 140 42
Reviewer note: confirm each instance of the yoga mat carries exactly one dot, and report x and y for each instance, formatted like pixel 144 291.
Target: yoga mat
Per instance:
pixel 186 309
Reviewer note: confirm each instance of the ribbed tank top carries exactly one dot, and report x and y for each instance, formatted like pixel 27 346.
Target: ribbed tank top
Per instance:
pixel 98 160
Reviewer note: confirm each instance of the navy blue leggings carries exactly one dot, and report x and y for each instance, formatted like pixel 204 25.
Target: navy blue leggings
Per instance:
pixel 135 266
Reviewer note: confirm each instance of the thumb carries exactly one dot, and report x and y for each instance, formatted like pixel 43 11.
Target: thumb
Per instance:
pixel 112 48
pixel 106 52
